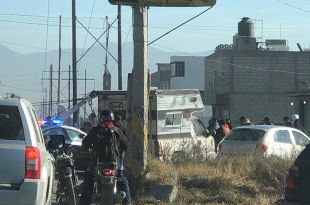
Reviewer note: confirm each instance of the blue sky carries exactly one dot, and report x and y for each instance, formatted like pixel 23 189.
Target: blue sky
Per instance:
pixel 32 26
pixel 23 23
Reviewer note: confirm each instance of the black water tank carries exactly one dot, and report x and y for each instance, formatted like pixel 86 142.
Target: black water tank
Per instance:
pixel 246 27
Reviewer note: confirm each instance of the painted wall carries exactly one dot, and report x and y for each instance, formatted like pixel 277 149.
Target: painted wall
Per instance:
pixel 194 73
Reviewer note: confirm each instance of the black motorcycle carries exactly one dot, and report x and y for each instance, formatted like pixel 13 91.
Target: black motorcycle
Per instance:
pixel 67 185
pixel 105 186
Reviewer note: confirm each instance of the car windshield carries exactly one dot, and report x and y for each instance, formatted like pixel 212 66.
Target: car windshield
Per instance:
pixel 73 134
pixel 246 135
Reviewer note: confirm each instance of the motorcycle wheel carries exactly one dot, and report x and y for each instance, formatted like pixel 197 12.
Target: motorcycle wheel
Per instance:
pixel 70 188
pixel 106 194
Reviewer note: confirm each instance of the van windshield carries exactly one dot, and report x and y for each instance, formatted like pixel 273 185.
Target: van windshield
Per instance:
pixel 10 123
pixel 246 134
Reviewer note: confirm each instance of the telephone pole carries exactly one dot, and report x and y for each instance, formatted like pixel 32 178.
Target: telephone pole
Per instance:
pixel 74 70
pixel 119 21
pixel 107 74
pixel 59 62
pixel 139 93
pixel 50 104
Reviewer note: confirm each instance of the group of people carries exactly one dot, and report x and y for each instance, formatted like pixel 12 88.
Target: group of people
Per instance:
pixel 293 122
pixel 219 128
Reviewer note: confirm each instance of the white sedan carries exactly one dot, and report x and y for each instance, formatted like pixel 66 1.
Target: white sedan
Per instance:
pixel 266 140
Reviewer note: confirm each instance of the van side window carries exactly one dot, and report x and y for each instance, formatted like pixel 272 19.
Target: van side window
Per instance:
pixel 282 136
pixel 11 127
pixel 173 119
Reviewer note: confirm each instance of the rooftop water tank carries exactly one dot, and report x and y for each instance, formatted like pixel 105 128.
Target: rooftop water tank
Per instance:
pixel 246 27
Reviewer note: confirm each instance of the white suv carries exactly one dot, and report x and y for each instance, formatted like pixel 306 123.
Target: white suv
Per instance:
pixel 26 170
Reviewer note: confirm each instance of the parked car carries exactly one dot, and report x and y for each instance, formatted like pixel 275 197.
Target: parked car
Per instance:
pixel 266 140
pixel 73 139
pixel 297 186
pixel 73 136
pixel 27 169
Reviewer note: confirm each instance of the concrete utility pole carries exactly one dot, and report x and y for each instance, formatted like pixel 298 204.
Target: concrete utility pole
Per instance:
pixel 74 70
pixel 59 62
pixel 140 93
pixel 107 74
pixel 69 87
pixel 119 20
pixel 51 92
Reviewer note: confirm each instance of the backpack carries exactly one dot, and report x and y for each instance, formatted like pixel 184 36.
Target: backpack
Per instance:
pixel 107 145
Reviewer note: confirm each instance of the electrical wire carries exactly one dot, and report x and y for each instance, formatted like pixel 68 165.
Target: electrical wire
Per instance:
pixel 9 86
pixel 292 6
pixel 91 15
pixel 180 25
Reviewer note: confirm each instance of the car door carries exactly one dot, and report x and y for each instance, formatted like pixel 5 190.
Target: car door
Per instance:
pixel 282 143
pixel 301 141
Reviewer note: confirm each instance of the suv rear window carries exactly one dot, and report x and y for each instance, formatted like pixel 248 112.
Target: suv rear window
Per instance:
pixel 246 135
pixel 10 123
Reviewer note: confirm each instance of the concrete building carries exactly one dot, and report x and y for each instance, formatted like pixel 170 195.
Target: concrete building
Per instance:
pixel 183 72
pixel 255 80
pixel 161 78
pixel 187 72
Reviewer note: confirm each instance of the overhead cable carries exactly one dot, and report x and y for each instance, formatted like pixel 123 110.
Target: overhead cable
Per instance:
pixel 180 25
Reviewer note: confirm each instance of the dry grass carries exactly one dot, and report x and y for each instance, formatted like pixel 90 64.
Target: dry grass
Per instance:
pixel 232 180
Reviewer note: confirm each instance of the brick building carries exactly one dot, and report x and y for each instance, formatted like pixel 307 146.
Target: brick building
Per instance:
pixel 248 79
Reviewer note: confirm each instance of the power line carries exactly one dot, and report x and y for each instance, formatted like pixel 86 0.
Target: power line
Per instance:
pixel 9 86
pixel 292 6
pixel 180 25
pixel 91 15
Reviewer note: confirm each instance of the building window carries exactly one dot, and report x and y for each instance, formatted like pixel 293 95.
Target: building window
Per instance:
pixel 173 119
pixel 177 69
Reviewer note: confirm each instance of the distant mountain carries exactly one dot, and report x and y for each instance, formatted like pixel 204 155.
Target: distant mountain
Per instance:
pixel 22 73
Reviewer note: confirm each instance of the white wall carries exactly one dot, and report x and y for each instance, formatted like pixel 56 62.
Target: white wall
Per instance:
pixel 194 73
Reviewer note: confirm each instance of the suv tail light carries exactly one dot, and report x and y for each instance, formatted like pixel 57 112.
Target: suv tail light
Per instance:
pixel 263 147
pixel 32 163
pixel 292 178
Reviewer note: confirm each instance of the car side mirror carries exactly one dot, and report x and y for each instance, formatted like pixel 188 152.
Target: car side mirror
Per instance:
pixel 81 136
pixel 56 142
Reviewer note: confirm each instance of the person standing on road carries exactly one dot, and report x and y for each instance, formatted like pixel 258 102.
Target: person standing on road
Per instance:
pixel 106 119
pixel 221 132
